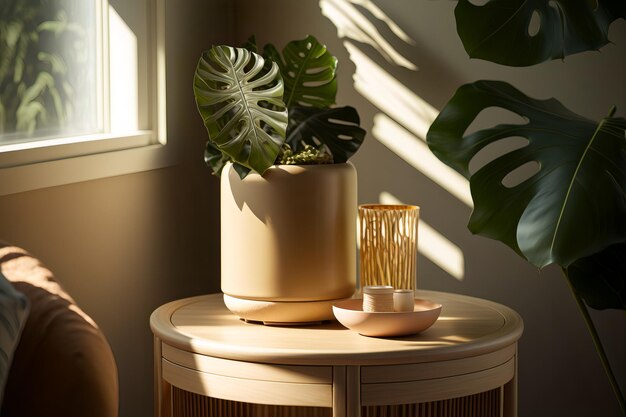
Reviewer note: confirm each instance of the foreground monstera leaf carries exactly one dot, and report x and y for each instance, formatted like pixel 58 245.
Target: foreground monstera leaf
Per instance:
pixel 573 207
pixel 308 70
pixel 498 31
pixel 600 279
pixel 241 105
pixel 337 128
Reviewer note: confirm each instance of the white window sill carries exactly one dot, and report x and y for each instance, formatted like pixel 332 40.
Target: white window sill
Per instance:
pixel 54 162
pixel 44 166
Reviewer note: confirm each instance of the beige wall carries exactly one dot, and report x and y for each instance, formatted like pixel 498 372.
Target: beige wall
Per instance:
pixel 559 371
pixel 124 245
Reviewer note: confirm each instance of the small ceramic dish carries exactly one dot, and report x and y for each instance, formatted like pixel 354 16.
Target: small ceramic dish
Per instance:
pixel 386 324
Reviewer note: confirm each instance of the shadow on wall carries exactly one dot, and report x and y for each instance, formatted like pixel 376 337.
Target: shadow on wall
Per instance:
pixel 398 167
pixel 402 117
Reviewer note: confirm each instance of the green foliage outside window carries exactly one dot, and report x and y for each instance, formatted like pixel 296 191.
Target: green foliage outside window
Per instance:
pixel 43 74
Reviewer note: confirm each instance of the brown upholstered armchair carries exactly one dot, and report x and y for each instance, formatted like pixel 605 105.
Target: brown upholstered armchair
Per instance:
pixel 63 365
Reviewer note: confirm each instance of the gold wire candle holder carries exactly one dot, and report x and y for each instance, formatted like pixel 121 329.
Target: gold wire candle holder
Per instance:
pixel 388 245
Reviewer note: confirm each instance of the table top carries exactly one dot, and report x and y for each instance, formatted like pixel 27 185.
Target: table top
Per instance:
pixel 466 327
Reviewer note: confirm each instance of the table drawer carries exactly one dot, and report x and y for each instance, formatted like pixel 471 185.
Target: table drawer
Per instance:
pixel 249 370
pixel 437 388
pixel 428 370
pixel 247 381
pixel 249 390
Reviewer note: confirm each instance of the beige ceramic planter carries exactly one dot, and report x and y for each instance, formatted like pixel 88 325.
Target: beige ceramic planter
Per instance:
pixel 288 245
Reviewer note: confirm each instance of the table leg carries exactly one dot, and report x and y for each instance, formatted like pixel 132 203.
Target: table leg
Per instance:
pixel 162 389
pixel 339 391
pixel 510 394
pixel 353 392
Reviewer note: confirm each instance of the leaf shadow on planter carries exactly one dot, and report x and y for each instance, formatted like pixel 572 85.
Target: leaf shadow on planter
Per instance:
pixel 301 218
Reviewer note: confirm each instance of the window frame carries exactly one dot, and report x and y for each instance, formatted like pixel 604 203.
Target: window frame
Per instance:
pixel 58 161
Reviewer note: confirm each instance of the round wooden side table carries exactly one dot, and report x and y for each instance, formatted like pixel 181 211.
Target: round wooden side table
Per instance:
pixel 210 363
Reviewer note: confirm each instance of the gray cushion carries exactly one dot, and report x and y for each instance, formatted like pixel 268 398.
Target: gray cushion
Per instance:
pixel 13 314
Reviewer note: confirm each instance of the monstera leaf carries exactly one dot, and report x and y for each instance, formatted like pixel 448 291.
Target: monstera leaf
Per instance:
pixel 498 31
pixel 251 45
pixel 308 71
pixel 600 279
pixel 337 128
pixel 215 159
pixel 573 207
pixel 241 105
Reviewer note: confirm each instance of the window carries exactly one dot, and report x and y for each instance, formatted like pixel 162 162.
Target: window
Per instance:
pixel 81 90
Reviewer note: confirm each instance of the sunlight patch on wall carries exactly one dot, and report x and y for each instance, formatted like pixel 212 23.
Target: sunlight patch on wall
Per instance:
pixel 393 98
pixel 405 117
pixel 351 23
pixel 416 153
pixel 433 245
pixel 389 94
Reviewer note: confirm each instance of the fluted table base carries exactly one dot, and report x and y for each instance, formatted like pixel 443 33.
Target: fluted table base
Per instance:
pixel 188 404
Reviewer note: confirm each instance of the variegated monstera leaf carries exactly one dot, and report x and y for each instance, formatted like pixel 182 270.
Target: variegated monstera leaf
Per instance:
pixel 241 104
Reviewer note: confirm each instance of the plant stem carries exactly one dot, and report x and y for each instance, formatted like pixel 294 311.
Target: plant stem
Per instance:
pixel 598 345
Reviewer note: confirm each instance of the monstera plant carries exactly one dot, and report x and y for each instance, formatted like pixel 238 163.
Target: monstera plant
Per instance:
pixel 260 109
pixel 572 210
pixel 264 110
